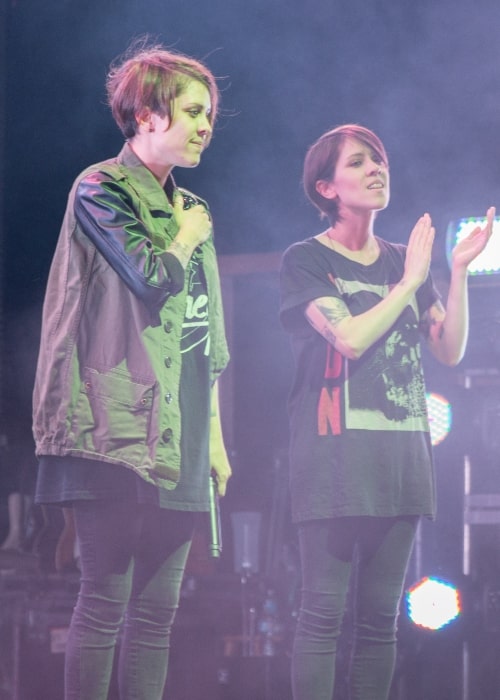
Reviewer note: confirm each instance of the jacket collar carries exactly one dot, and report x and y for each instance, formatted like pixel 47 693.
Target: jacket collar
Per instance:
pixel 143 178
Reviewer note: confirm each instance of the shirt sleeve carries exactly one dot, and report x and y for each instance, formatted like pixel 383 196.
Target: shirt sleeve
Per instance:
pixel 304 276
pixel 104 212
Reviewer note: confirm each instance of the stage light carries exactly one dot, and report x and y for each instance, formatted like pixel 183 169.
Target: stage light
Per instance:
pixel 440 417
pixel 433 603
pixel 487 262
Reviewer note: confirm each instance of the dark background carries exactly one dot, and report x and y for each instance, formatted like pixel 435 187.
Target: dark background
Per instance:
pixel 425 76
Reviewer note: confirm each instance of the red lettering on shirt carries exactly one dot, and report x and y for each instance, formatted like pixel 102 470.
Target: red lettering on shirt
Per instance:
pixel 329 411
pixel 333 363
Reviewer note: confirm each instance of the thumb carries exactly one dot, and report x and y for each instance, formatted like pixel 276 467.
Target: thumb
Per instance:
pixel 178 206
pixel 178 201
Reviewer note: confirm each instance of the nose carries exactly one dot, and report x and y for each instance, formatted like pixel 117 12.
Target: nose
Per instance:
pixel 205 128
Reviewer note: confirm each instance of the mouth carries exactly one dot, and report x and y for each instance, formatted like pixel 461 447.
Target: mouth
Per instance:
pixel 379 185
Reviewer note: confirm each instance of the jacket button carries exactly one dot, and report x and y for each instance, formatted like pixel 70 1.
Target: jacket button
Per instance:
pixel 168 362
pixel 167 435
pixel 168 327
pixel 168 397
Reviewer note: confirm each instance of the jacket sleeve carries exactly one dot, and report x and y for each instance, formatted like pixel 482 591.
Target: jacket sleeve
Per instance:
pixel 106 217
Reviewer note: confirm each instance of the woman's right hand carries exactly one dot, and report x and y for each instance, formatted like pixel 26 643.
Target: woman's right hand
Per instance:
pixel 419 252
pixel 195 225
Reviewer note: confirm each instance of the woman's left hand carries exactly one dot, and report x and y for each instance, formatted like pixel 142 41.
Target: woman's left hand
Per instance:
pixel 472 245
pixel 219 464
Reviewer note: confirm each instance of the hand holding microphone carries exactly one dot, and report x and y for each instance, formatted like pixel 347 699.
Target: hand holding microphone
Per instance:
pixel 215 544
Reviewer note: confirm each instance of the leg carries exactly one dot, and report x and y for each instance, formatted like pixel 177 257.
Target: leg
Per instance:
pixel 160 559
pixel 106 532
pixel 385 546
pixel 326 549
pixel 65 548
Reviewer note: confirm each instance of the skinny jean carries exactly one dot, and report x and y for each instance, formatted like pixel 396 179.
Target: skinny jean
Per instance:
pixel 376 551
pixel 132 560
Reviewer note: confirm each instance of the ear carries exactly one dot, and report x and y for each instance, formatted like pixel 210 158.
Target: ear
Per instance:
pixel 144 120
pixel 326 189
pixel 158 123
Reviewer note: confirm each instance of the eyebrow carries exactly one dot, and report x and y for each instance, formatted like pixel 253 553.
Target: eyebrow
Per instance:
pixel 360 154
pixel 198 105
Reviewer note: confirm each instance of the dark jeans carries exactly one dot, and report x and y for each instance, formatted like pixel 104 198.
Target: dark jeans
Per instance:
pixel 380 549
pixel 132 560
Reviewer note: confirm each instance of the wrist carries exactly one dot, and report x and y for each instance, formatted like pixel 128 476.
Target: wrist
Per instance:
pixel 182 250
pixel 459 270
pixel 408 286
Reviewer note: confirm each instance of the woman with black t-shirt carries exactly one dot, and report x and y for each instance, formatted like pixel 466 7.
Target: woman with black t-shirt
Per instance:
pixel 360 452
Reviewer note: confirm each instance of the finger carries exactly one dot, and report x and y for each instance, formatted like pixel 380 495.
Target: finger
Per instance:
pixel 414 233
pixel 490 219
pixel 422 235
pixel 488 227
pixel 178 201
pixel 221 486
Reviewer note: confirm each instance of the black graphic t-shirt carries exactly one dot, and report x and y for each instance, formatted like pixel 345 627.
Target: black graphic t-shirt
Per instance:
pixel 191 493
pixel 359 433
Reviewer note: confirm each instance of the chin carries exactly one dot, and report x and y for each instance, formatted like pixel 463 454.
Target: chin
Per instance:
pixel 190 163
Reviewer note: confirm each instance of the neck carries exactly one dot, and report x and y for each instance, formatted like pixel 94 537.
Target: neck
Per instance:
pixel 354 233
pixel 143 150
pixel 354 239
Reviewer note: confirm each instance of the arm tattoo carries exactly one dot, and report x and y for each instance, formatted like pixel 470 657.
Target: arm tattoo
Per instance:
pixel 324 330
pixel 182 252
pixel 331 314
pixel 334 312
pixel 327 334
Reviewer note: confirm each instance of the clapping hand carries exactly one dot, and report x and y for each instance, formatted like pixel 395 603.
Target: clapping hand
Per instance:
pixel 472 245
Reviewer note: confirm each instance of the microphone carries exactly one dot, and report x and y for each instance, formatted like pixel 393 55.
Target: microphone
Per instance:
pixel 215 545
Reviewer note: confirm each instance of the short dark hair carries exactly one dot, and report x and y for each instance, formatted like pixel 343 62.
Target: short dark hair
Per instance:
pixel 322 158
pixel 152 77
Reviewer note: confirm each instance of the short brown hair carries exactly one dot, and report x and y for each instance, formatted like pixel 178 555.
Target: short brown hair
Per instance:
pixel 322 158
pixel 152 78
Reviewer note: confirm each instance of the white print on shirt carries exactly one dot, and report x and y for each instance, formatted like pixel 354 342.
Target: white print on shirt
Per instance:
pixel 195 326
pixel 384 390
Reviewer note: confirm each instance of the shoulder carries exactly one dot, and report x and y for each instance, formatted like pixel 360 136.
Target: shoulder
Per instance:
pixel 97 174
pixel 307 249
pixel 392 249
pixel 394 253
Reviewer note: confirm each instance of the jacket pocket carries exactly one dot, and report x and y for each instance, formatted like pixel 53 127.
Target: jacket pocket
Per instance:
pixel 112 415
